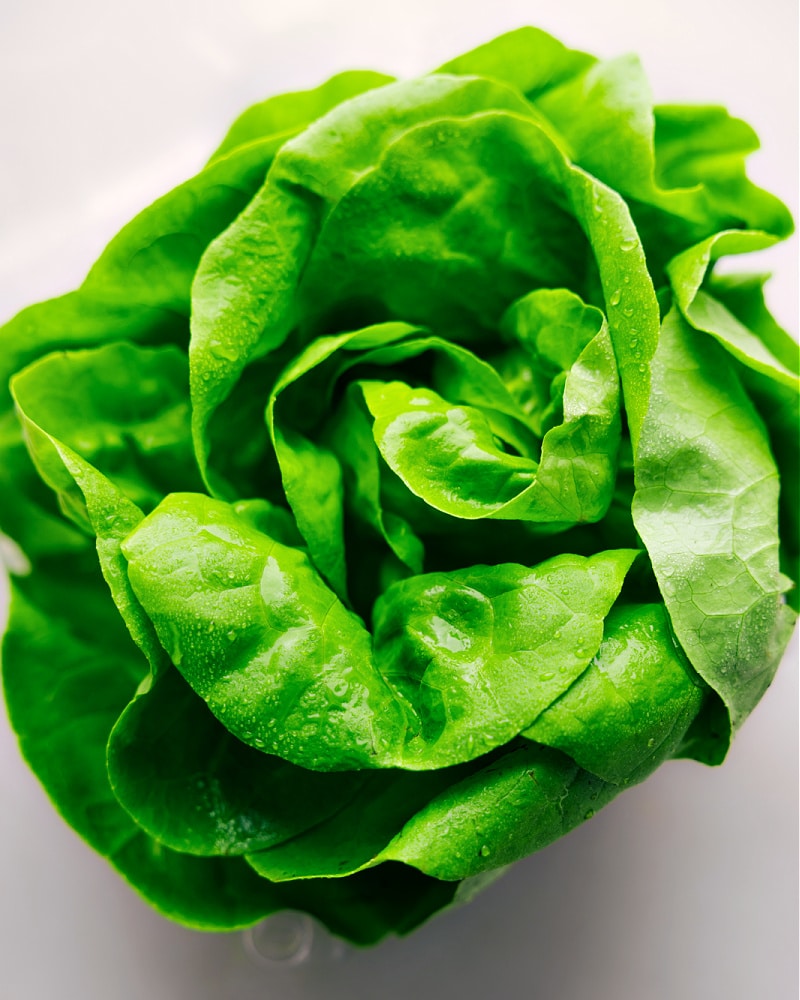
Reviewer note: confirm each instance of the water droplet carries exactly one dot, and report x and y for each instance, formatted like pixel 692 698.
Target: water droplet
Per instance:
pixel 485 851
pixel 340 687
pixel 615 298
pixel 546 677
pixel 627 245
pixel 223 352
pixel 627 279
pixel 588 814
pixel 651 743
pixel 634 340
pixel 284 939
pixel 642 368
pixel 627 311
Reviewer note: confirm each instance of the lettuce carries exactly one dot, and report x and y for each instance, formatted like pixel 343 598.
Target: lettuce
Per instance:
pixel 401 488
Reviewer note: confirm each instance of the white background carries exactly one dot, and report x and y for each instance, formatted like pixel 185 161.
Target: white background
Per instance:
pixel 683 887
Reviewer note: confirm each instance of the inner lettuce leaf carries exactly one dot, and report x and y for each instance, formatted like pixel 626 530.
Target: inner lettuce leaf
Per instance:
pixel 401 488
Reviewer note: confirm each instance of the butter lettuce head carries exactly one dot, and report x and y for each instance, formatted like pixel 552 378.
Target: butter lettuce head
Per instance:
pixel 401 488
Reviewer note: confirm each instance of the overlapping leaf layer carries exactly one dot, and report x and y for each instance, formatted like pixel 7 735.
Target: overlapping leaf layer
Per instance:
pixel 401 488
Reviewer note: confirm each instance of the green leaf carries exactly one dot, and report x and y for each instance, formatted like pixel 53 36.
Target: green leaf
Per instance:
pixel 706 507
pixel 311 472
pixel 29 512
pixel 619 719
pixel 743 296
pixel 704 146
pixel 547 331
pixel 477 655
pixel 777 404
pixel 287 669
pixel 65 637
pixel 138 290
pixel 451 457
pixel 513 806
pixel 123 409
pixel 350 436
pixel 255 631
pixel 660 159
pixel 354 836
pixel 732 310
pixel 705 312
pixel 197 789
pixel 450 247
pixel 272 241
pixel 631 706
pixel 528 59
pixel 285 114
pixel 503 479
pixel 108 430
pixel 528 795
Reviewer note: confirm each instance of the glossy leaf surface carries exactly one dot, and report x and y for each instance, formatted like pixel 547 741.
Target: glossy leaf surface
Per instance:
pixel 401 488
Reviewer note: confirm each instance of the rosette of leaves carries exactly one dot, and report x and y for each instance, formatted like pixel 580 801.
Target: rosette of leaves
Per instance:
pixel 401 488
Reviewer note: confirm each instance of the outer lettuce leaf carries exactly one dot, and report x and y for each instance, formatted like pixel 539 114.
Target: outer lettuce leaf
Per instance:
pixel 123 409
pixel 528 59
pixel 778 406
pixel 352 839
pixel 633 703
pixel 64 737
pixel 687 273
pixel 681 167
pixel 65 637
pixel 518 804
pixel 285 114
pixel 613 136
pixel 196 788
pixel 139 289
pixel 624 715
pixel 732 310
pixel 706 508
pixel 29 513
